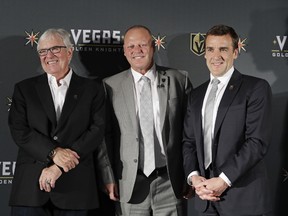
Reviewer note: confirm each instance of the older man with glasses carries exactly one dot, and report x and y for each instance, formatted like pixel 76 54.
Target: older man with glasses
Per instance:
pixel 56 119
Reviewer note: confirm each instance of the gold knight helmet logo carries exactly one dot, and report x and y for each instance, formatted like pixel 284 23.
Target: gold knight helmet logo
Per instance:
pixel 197 45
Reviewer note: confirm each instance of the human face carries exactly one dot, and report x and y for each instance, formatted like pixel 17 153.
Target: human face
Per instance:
pixel 55 64
pixel 138 49
pixel 219 54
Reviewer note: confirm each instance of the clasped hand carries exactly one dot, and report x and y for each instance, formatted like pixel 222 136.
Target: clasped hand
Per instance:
pixel 48 177
pixel 209 189
pixel 64 158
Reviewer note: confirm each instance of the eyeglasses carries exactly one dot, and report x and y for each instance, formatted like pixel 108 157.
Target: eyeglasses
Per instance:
pixel 54 50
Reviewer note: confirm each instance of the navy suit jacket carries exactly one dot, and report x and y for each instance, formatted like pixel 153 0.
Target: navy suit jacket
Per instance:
pixel 241 139
pixel 34 128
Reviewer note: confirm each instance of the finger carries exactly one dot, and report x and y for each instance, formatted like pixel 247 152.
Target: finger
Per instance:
pixel 75 154
pixel 204 190
pixel 46 186
pixel 112 196
pixel 213 199
pixel 75 161
pixel 41 184
pixel 52 184
pixel 65 168
pixel 201 184
pixel 71 166
pixel 74 164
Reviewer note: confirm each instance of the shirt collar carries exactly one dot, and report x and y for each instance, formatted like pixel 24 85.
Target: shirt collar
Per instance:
pixel 225 78
pixel 151 74
pixel 65 81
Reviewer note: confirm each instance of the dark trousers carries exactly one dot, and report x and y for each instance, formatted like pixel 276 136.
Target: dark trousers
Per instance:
pixel 47 210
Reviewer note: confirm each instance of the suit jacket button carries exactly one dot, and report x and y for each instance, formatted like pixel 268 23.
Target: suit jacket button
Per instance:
pixel 55 138
pixel 135 160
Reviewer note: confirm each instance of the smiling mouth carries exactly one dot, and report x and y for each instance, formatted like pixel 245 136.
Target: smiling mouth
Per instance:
pixel 51 62
pixel 137 57
pixel 217 63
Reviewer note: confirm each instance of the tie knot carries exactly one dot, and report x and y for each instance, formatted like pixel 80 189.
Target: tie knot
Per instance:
pixel 215 81
pixel 145 79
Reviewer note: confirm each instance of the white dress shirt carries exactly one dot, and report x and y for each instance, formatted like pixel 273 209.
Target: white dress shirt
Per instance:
pixel 224 80
pixel 160 158
pixel 59 91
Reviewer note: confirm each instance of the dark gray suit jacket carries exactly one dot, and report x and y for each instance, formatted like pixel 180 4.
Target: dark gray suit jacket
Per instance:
pixel 173 89
pixel 242 136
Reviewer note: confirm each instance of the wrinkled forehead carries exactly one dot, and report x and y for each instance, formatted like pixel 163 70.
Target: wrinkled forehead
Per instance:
pixel 137 35
pixel 50 40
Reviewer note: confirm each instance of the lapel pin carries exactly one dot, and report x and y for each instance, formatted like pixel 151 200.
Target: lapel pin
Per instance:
pixel 231 87
pixel 161 85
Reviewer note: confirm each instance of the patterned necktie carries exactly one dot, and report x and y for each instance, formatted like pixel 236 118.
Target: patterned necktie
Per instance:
pixel 208 122
pixel 147 126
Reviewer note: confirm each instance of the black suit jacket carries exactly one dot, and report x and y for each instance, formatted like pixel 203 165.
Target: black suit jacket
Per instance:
pixel 242 136
pixel 34 128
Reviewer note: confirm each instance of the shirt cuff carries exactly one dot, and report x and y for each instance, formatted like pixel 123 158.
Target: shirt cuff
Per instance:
pixel 225 178
pixel 189 177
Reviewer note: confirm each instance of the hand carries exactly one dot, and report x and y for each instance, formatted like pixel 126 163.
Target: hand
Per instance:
pixel 188 191
pixel 48 177
pixel 201 190
pixel 66 158
pixel 211 189
pixel 217 185
pixel 112 191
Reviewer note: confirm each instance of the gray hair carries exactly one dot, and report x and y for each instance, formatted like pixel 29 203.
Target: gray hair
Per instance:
pixel 52 32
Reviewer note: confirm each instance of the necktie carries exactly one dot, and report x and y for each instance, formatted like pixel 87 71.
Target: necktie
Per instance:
pixel 208 122
pixel 147 126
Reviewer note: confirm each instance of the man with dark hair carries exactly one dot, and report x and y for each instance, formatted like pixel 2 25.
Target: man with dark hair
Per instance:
pixel 227 131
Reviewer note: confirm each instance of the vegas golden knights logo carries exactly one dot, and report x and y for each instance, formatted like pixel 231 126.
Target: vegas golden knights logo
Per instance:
pixel 197 45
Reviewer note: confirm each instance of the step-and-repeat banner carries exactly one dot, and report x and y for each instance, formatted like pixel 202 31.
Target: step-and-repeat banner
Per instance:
pixel 179 27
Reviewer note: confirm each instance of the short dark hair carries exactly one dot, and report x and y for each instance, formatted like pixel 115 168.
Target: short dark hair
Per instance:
pixel 219 30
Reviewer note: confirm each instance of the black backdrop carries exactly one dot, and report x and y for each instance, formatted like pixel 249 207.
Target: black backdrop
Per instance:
pixel 97 28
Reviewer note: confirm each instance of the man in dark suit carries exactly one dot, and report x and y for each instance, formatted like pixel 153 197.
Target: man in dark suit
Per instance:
pixel 224 144
pixel 56 119
pixel 150 182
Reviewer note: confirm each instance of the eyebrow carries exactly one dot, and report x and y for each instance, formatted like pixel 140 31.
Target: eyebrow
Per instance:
pixel 211 47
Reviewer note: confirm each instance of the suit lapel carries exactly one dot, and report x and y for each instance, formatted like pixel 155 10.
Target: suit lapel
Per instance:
pixel 163 90
pixel 44 93
pixel 198 100
pixel 73 94
pixel 228 96
pixel 129 97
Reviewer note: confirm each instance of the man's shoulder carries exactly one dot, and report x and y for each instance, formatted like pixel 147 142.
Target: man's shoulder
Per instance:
pixel 253 81
pixel 116 77
pixel 171 71
pixel 31 80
